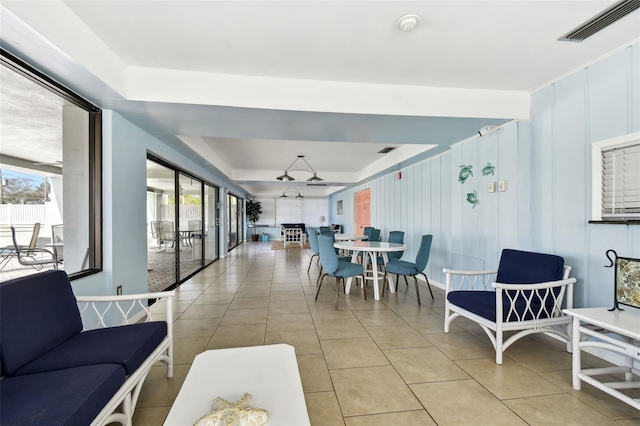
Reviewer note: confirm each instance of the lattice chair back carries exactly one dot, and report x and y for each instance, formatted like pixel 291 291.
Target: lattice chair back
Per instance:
pixel 328 256
pixel 523 267
pixel 422 258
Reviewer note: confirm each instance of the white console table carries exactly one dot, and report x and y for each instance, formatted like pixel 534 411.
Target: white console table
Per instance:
pixel 599 323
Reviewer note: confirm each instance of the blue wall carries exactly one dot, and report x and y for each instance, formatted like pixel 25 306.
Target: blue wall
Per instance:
pixel 547 166
pixel 125 148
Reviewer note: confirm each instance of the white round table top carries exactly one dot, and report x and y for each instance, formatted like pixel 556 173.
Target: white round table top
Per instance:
pixel 350 237
pixel 369 246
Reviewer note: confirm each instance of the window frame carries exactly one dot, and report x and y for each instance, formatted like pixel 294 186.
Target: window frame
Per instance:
pixel 94 173
pixel 597 171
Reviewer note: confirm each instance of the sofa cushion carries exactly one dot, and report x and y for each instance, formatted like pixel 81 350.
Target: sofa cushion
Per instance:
pixel 127 345
pixel 523 267
pixel 39 312
pixel 72 396
pixel 483 303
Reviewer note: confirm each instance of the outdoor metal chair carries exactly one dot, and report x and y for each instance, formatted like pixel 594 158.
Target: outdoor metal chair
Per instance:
pixel 27 255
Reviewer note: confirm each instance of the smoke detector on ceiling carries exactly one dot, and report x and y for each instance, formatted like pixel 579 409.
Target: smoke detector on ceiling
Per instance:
pixel 408 22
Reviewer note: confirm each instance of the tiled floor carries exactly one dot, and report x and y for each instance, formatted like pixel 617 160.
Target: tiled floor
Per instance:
pixel 372 363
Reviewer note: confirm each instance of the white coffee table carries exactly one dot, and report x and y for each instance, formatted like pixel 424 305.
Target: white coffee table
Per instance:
pixel 269 373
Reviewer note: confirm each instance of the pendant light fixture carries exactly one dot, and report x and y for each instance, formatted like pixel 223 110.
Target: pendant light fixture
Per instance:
pixel 287 178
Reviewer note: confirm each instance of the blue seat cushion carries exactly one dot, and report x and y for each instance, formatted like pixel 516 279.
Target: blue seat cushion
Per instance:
pixel 39 312
pixel 401 267
pixel 127 345
pixel 483 303
pixel 348 269
pixel 73 396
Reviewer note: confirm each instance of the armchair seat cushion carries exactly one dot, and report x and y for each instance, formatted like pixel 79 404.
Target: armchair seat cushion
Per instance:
pixel 71 396
pixel 127 345
pixel 483 303
pixel 401 267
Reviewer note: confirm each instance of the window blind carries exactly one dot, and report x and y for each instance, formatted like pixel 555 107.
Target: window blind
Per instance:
pixel 621 182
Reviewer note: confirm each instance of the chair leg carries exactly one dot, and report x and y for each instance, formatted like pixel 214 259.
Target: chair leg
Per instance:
pixel 338 290
pixel 405 280
pixel 319 275
pixel 364 287
pixel 397 280
pixel 428 285
pixel 320 286
pixel 310 262
pixel 417 289
pixel 384 283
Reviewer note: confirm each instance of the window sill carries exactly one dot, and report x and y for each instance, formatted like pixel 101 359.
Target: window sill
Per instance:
pixel 615 222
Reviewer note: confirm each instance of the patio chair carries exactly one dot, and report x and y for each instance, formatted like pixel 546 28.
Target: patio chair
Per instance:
pixel 27 254
pixel 57 237
pixel 167 234
pixel 526 298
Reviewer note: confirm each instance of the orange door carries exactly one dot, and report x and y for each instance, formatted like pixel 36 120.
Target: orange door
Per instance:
pixel 362 204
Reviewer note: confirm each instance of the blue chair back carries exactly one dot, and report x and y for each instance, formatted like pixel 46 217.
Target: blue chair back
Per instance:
pixel 423 253
pixel 524 267
pixel 396 237
pixel 325 229
pixel 328 256
pixel 367 230
pixel 313 240
pixel 374 235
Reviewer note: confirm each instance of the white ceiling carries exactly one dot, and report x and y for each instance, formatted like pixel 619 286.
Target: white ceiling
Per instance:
pixel 250 85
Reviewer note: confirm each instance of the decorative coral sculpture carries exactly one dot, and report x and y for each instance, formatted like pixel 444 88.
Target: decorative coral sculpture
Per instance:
pixel 239 413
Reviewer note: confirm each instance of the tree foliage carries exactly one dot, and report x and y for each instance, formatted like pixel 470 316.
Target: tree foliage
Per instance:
pixel 22 190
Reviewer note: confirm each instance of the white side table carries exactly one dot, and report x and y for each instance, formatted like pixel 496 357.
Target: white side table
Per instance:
pixel 269 373
pixel 624 323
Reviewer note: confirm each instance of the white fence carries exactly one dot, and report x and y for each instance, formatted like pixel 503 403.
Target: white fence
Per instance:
pixel 22 214
pixel 187 212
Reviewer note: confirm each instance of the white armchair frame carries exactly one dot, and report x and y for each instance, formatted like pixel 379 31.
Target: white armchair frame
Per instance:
pixel 130 309
pixel 544 320
pixel 293 236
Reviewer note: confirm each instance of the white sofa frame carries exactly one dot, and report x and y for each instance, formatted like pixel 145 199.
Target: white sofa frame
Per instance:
pixel 130 309
pixel 554 322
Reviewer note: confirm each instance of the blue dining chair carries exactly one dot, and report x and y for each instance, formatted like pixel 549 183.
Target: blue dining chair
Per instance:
pixel 331 235
pixel 313 243
pixel 374 235
pixel 394 237
pixel 404 268
pixel 332 266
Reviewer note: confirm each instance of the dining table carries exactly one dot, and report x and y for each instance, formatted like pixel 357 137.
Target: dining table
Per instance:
pixel 370 250
pixel 350 237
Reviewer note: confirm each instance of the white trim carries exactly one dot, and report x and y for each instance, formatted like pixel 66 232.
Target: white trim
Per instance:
pixel 596 168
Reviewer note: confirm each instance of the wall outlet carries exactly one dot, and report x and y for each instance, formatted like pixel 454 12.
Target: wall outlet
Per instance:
pixel 119 290
pixel 502 185
pixel 491 187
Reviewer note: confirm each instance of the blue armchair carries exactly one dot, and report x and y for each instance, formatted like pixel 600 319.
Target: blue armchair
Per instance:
pixel 527 297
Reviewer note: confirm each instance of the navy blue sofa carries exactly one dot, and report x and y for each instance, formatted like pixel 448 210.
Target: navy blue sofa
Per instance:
pixel 527 296
pixel 54 371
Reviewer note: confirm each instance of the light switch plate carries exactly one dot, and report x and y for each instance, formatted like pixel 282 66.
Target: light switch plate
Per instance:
pixel 502 185
pixel 492 187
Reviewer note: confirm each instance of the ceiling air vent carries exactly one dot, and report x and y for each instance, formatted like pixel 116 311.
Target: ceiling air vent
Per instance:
pixel 316 184
pixel 601 20
pixel 389 148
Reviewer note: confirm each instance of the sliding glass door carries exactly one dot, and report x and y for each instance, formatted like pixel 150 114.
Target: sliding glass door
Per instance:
pixel 182 230
pixel 234 221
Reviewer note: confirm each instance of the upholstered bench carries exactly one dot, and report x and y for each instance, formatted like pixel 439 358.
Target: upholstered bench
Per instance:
pixel 57 371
